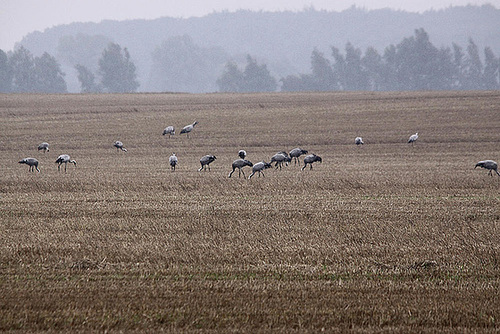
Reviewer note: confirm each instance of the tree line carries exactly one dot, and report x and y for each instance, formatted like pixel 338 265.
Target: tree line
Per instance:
pixel 21 72
pixel 413 64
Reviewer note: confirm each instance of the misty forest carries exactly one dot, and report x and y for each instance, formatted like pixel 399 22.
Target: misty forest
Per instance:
pixel 354 50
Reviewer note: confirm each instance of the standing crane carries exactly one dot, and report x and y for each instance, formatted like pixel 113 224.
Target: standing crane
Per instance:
pixel 169 130
pixel 32 163
pixel 188 128
pixel 206 161
pixel 242 154
pixel 296 153
pixel 310 159
pixel 43 146
pixel 64 159
pixel 488 164
pixel 240 163
pixel 259 167
pixel 173 161
pixel 413 138
pixel 280 158
pixel 119 146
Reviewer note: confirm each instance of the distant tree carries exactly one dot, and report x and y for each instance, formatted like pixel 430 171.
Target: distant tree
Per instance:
pixel 87 80
pixel 389 72
pixel 22 64
pixel 5 73
pixel 473 69
pixel 458 67
pixel 416 61
pixel 339 67
pixel 323 77
pixel 35 74
pixel 49 77
pixel 257 78
pixel 181 65
pixel 231 79
pixel 82 49
pixel 349 69
pixel 117 70
pixel 356 75
pixel 443 70
pixel 298 83
pixel 491 69
pixel 413 64
pixel 373 66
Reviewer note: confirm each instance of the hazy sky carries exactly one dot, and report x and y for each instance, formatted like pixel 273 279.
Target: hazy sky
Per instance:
pixel 20 17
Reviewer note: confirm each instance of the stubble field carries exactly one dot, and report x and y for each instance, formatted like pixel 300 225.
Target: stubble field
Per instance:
pixel 380 238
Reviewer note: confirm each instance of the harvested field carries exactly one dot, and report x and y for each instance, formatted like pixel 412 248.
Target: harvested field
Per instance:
pixel 385 237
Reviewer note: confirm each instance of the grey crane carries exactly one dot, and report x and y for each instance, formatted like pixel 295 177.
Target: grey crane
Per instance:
pixel 173 161
pixel 64 159
pixel 413 138
pixel 296 153
pixel 43 146
pixel 488 164
pixel 119 146
pixel 358 141
pixel 169 130
pixel 205 162
pixel 32 163
pixel 280 158
pixel 188 128
pixel 310 159
pixel 259 167
pixel 242 154
pixel 240 163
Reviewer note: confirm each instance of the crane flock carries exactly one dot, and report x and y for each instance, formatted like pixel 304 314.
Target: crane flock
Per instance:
pixel 281 158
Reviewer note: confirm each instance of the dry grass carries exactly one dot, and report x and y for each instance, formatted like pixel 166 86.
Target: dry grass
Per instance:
pixel 379 238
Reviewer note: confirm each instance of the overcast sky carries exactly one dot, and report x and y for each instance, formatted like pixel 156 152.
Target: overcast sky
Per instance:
pixel 20 17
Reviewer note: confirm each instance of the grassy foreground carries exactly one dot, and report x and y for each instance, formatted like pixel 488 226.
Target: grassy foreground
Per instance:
pixel 380 238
